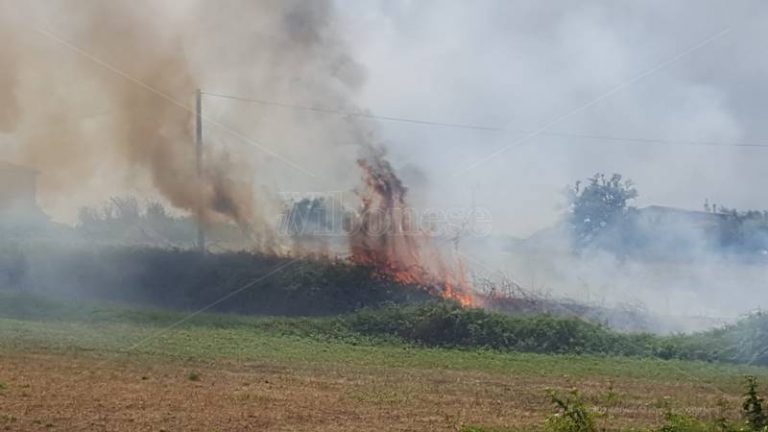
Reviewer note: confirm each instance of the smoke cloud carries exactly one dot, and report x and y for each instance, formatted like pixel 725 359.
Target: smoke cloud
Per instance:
pixel 80 103
pixel 519 65
pixel 100 100
pixel 9 73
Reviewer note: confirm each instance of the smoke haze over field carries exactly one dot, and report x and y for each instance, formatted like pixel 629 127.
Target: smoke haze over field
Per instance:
pixel 99 97
pixel 521 64
pixel 516 65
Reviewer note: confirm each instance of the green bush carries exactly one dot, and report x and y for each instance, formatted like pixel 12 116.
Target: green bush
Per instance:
pixel 573 414
pixel 752 407
pixel 682 423
pixel 370 310
pixel 445 324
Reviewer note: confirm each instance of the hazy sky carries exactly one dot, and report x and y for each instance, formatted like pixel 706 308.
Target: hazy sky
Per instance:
pixel 686 71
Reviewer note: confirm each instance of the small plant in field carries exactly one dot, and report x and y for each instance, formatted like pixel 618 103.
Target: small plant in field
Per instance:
pixel 5 418
pixel 721 421
pixel 483 429
pixel 683 423
pixel 573 415
pixel 752 407
pixel 611 398
pixel 193 376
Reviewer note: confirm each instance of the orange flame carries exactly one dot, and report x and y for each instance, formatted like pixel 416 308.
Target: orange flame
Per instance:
pixel 384 239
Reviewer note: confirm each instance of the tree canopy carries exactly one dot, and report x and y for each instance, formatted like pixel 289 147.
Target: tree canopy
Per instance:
pixel 598 207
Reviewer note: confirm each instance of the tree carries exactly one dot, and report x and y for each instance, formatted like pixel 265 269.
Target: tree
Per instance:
pixel 600 207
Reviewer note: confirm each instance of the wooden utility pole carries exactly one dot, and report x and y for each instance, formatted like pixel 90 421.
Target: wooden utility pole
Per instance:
pixel 199 154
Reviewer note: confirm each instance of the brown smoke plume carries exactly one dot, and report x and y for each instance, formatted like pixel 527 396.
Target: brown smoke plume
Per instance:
pixel 130 123
pixel 153 132
pixel 9 80
pixel 105 99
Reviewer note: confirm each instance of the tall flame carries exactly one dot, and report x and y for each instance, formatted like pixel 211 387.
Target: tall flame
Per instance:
pixel 384 237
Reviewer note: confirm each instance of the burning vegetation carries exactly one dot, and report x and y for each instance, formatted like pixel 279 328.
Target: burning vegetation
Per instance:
pixel 384 237
pixel 141 139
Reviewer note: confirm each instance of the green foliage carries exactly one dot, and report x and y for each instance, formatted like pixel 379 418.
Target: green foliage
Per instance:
pixel 683 423
pixel 485 429
pixel 752 407
pixel 446 324
pixel 573 414
pixel 600 217
pixel 747 339
pixel 598 207
pixel 376 338
pixel 364 307
pixel 436 324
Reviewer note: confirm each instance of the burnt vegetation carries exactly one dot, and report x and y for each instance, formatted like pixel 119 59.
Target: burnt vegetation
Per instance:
pixel 236 282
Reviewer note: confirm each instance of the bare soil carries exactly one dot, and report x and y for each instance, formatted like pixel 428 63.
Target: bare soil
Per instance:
pixel 85 391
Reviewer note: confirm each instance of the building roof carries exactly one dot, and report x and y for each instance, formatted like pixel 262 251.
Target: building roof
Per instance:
pixel 675 210
pixel 660 213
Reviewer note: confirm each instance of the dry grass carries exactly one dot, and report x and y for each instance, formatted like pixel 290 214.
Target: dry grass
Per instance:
pixel 86 391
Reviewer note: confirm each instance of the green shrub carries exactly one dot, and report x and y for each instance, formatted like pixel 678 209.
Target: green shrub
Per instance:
pixel 445 324
pixel 683 423
pixel 573 415
pixel 432 324
pixel 752 407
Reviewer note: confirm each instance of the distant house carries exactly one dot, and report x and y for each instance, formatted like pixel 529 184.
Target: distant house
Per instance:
pixel 665 232
pixel 18 194
pixel 668 231
pixel 659 215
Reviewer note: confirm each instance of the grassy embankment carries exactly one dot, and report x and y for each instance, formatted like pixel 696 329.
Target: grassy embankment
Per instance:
pixel 427 367
pixel 434 335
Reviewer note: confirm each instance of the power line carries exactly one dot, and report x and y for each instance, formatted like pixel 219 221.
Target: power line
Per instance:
pixel 654 140
pixel 356 114
pixel 343 113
